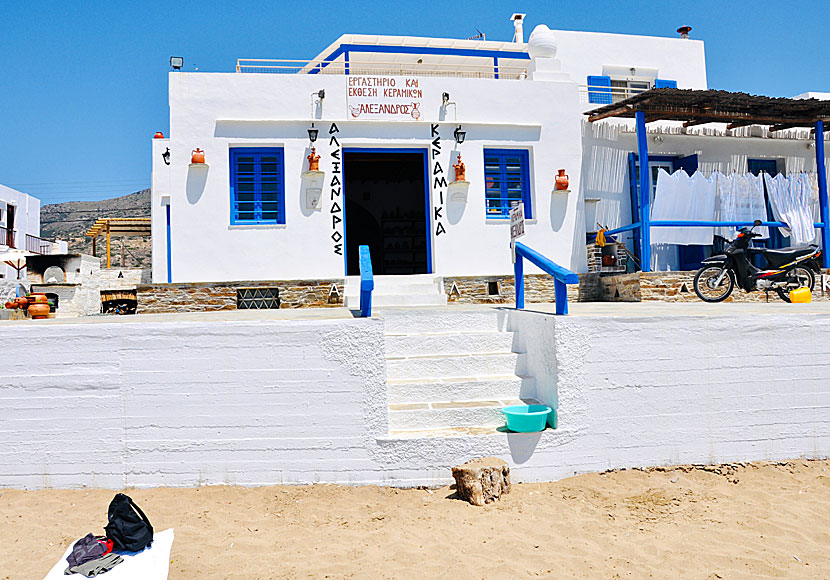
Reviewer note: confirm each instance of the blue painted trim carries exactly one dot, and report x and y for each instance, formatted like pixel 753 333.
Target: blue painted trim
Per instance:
pixel 169 254
pixel 346 60
pixel 824 210
pixel 561 276
pixel 526 197
pixel 235 152
pixel 345 48
pixel 496 66
pixel 367 281
pixel 664 84
pixel 427 191
pixel 645 191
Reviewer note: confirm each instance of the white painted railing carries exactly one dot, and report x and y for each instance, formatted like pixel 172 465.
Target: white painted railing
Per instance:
pixel 482 70
pixel 602 94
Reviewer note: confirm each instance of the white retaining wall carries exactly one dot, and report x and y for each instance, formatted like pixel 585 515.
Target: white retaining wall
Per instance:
pixel 208 401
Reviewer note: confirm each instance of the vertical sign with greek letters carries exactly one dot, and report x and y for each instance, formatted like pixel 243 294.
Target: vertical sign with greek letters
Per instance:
pixel 517 221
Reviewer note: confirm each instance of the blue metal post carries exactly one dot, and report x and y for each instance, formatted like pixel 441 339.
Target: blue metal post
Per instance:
pixel 822 194
pixel 496 66
pixel 560 290
pixel 367 281
pixel 518 272
pixel 346 60
pixel 645 191
pixel 169 256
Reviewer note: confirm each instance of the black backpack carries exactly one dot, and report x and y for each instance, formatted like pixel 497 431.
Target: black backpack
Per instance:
pixel 128 527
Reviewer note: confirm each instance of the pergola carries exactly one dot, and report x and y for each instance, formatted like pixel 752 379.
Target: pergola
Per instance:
pixel 118 228
pixel 696 107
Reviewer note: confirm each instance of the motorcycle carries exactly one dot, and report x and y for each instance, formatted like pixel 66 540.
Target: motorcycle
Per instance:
pixel 787 269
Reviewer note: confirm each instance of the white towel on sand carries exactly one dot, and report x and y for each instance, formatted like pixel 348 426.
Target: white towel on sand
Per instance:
pixel 151 563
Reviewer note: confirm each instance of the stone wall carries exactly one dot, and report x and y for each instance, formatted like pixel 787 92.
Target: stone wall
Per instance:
pixel 205 297
pixel 663 287
pixel 476 289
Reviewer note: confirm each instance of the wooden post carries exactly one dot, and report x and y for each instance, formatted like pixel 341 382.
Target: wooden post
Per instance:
pixel 93 246
pixel 109 262
pixel 123 261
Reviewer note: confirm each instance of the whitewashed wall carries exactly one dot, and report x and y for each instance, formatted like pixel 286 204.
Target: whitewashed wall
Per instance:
pixel 199 401
pixel 218 111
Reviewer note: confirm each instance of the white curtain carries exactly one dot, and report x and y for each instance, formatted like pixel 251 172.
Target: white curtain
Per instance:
pixel 679 197
pixel 739 198
pixel 791 199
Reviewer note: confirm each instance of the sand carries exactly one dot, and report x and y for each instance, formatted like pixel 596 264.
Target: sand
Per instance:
pixel 759 520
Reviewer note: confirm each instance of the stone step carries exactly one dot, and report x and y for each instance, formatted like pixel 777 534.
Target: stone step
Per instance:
pixel 381 300
pixel 505 387
pixel 412 416
pixel 454 366
pixel 447 319
pixel 448 343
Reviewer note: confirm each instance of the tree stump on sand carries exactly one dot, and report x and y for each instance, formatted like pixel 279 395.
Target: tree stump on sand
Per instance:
pixel 481 481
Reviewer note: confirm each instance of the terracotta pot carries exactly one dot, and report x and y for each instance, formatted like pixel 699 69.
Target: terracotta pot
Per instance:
pixel 313 161
pixel 39 310
pixel 609 260
pixel 22 303
pixel 460 169
pixel 561 181
pixel 11 305
pixel 38 298
pixel 158 135
pixel 198 156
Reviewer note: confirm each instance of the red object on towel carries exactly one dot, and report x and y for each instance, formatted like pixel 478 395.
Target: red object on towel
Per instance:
pixel 107 544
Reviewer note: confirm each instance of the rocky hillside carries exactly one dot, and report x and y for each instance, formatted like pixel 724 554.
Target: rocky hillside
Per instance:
pixel 71 220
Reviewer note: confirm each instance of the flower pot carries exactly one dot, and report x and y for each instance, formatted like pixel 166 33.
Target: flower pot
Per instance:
pixel 39 310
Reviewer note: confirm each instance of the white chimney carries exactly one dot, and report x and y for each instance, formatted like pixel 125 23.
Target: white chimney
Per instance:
pixel 518 19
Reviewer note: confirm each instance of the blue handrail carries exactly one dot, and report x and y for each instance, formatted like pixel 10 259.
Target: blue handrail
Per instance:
pixel 367 282
pixel 561 277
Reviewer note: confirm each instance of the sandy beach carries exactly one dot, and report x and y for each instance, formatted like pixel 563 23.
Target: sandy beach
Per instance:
pixel 755 520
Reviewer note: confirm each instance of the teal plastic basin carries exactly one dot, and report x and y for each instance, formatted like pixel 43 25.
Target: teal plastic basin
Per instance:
pixel 526 418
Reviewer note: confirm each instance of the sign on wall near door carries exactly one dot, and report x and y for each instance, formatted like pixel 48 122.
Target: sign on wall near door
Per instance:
pixel 517 221
pixel 377 98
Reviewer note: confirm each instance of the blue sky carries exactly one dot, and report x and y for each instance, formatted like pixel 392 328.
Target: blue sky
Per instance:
pixel 83 85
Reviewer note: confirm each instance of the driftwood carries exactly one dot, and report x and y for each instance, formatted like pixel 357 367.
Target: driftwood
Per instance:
pixel 481 481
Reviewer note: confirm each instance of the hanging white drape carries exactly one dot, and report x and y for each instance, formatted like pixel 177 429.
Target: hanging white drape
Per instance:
pixel 739 198
pixel 791 199
pixel 679 197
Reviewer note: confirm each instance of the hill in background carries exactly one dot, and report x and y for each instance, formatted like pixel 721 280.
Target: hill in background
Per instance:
pixel 71 220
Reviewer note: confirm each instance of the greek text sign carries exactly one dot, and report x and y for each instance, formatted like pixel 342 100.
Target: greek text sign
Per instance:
pixel 517 221
pixel 384 98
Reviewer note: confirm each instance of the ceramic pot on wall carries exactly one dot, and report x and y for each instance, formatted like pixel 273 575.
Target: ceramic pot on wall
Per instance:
pixel 198 156
pixel 313 161
pixel 561 181
pixel 39 310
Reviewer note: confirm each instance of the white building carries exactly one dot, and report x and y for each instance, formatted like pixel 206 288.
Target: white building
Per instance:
pixel 19 227
pixel 386 110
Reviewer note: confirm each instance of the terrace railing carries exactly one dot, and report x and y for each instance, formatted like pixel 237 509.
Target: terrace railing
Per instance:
pixel 561 276
pixel 7 237
pixel 367 282
pixel 482 70
pixel 38 245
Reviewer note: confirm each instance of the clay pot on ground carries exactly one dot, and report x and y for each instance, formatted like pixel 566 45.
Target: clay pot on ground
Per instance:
pixel 22 303
pixel 39 310
pixel 11 305
pixel 561 181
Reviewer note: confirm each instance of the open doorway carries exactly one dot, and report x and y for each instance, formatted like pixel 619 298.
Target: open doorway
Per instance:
pixel 386 201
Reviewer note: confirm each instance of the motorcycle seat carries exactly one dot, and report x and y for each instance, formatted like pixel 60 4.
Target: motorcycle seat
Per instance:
pixel 780 257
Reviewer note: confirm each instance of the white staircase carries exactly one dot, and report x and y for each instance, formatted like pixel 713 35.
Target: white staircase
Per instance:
pixel 415 290
pixel 451 369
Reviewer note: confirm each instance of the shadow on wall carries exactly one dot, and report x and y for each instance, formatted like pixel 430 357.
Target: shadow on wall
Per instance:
pixel 522 445
pixel 196 180
pixel 311 185
pixel 458 197
pixel 558 210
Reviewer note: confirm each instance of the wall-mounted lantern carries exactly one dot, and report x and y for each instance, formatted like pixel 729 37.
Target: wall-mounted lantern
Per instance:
pixel 312 133
pixel 459 135
pixel 166 156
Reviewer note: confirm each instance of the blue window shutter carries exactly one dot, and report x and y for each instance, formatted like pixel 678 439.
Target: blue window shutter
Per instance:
pixel 500 171
pixel 264 178
pixel 599 90
pixel 664 84
pixel 633 188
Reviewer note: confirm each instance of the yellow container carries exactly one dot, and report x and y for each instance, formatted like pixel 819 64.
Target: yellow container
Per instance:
pixel 801 295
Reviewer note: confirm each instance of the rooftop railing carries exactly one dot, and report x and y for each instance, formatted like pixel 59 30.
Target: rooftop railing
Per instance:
pixel 37 245
pixel 483 70
pixel 605 95
pixel 7 237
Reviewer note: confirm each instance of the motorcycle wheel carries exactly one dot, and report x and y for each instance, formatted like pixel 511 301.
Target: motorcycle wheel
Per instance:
pixel 797 278
pixel 705 284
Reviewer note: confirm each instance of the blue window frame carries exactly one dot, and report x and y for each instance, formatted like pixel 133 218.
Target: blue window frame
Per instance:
pixel 506 182
pixel 257 185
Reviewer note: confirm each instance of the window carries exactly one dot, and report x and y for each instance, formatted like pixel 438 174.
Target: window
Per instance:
pixel 507 182
pixel 621 89
pixel 257 186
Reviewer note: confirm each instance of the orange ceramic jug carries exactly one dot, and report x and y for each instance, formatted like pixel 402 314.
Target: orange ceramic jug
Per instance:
pixel 561 181
pixel 198 156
